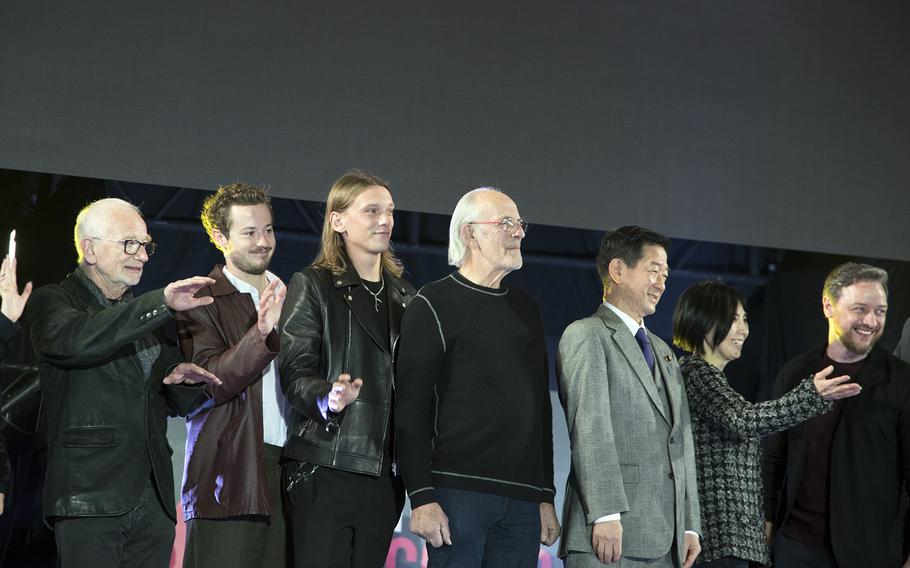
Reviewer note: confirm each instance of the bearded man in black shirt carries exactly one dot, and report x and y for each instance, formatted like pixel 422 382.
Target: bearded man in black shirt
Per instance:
pixel 473 416
pixel 842 475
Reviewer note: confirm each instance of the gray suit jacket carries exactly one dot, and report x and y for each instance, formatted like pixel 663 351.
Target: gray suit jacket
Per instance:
pixel 629 454
pixel 903 347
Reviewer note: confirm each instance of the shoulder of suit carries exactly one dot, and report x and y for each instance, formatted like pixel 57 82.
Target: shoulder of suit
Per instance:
pixel 586 325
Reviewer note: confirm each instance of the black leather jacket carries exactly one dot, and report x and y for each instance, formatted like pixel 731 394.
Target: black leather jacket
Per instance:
pixel 321 337
pixel 107 422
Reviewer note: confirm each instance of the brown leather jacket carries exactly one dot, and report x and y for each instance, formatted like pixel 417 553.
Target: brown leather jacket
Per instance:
pixel 224 474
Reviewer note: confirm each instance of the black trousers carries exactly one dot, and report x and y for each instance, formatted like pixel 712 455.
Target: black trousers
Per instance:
pixel 143 537
pixel 243 542
pixel 790 553
pixel 341 519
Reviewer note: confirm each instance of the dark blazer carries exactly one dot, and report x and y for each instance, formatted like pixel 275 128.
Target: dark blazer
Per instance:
pixel 224 475
pixel 870 462
pixel 321 337
pixel 107 423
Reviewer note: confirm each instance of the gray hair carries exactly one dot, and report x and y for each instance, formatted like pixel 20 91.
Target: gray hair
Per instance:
pixel 92 220
pixel 850 273
pixel 465 212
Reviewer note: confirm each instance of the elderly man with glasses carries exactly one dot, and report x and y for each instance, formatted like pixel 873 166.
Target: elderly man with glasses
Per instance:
pixel 110 377
pixel 473 416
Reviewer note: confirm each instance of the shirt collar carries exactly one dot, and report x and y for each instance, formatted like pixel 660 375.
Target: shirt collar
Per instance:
pixel 626 319
pixel 245 287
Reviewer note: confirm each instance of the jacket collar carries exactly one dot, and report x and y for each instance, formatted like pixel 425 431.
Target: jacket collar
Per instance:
pixel 872 371
pixel 628 346
pixel 395 293
pixel 80 278
pixel 222 286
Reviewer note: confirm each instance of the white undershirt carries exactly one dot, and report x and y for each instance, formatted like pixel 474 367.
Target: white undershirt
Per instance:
pixel 274 404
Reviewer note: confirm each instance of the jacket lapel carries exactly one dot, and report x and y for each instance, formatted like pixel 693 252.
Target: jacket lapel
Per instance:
pixel 628 346
pixel 80 284
pixel 663 360
pixel 397 304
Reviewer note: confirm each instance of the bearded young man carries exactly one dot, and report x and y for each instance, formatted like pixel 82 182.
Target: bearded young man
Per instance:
pixel 842 475
pixel 231 483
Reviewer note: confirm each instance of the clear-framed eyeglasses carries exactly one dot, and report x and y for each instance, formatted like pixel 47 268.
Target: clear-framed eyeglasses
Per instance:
pixel 131 246
pixel 507 224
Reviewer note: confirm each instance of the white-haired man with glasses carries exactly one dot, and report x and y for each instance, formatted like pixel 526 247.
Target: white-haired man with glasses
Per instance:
pixel 110 377
pixel 473 416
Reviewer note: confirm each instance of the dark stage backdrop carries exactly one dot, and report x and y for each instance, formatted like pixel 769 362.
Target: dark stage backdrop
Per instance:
pixel 781 124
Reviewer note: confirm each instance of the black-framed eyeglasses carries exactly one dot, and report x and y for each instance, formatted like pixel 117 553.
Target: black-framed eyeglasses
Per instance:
pixel 131 246
pixel 506 224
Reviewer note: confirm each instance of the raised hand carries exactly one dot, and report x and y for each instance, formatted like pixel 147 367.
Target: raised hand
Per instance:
pixel 270 307
pixel 344 392
pixel 835 387
pixel 190 374
pixel 12 303
pixel 179 295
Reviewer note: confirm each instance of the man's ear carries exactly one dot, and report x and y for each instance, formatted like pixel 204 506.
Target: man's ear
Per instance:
pixel 337 222
pixel 219 238
pixel 467 235
pixel 88 251
pixel 616 269
pixel 827 307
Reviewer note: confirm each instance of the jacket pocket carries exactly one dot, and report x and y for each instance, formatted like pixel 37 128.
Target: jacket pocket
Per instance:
pixel 90 436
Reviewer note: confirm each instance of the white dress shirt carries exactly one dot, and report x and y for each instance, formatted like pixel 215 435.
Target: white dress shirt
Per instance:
pixel 274 404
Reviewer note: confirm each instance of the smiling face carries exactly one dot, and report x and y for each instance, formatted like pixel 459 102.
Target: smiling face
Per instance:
pixel 490 248
pixel 856 319
pixel 249 244
pixel 636 290
pixel 105 262
pixel 366 225
pixel 731 348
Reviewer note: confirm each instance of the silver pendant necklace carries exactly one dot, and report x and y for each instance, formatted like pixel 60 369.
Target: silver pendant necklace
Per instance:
pixel 376 300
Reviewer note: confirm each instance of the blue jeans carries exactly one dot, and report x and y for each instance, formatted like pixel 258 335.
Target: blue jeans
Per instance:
pixel 487 531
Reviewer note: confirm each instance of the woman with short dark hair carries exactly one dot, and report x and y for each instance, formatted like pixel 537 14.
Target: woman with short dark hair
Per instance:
pixel 710 323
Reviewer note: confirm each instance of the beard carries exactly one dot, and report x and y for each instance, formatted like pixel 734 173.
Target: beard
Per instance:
pixel 853 346
pixel 249 265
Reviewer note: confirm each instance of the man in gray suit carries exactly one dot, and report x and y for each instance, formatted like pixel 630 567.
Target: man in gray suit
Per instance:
pixel 631 497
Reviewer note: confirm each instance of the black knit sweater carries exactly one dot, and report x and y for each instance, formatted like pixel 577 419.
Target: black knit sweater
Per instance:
pixel 472 401
pixel 728 456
